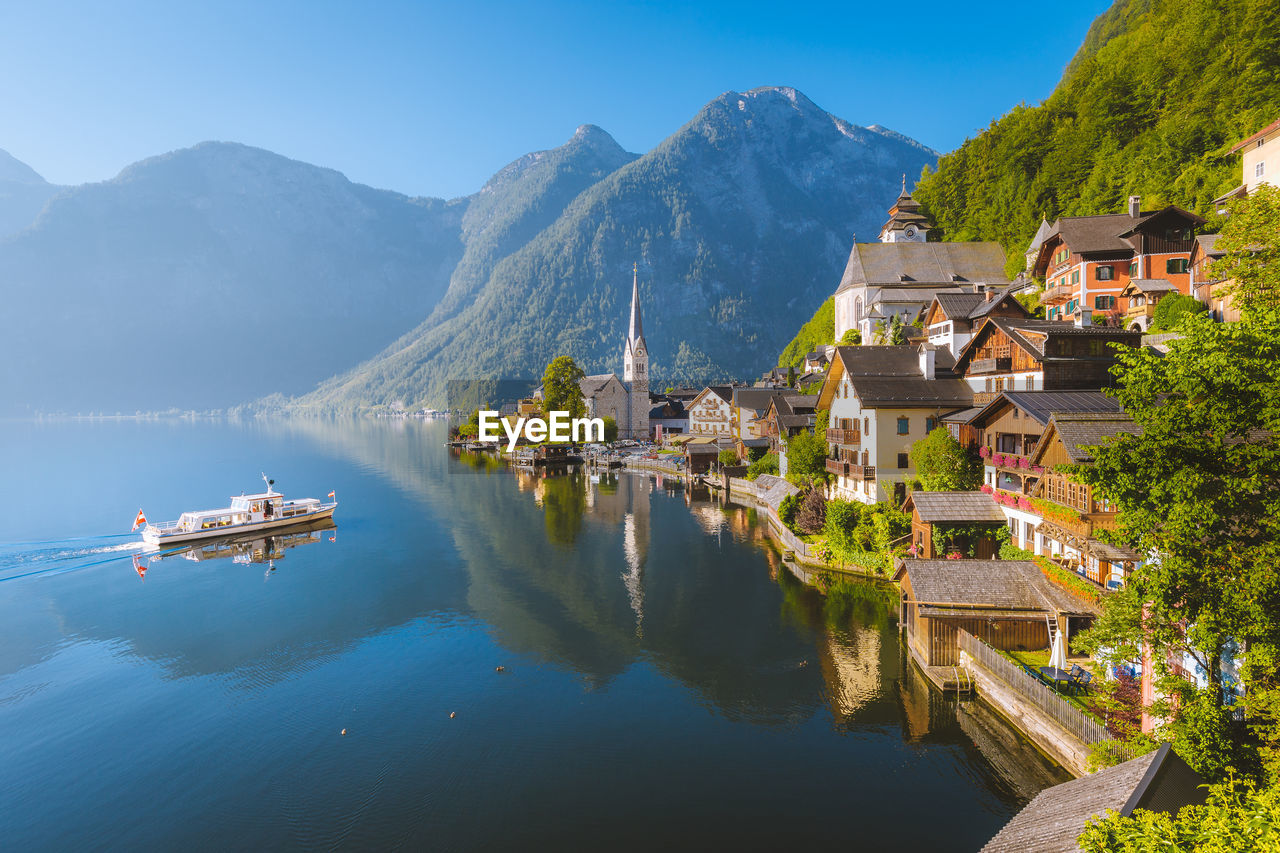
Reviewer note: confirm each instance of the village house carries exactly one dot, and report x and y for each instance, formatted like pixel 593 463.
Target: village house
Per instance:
pixel 900 276
pixel 1005 433
pixel 1008 604
pixel 1072 513
pixel 667 417
pixel 1259 163
pixel 1013 354
pixel 787 415
pixel 949 320
pixel 882 399
pixel 711 412
pixel 1086 261
pixel 945 523
pixel 1206 286
pixel 1142 295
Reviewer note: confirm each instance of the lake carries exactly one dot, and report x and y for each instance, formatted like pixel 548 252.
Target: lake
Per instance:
pixel 664 682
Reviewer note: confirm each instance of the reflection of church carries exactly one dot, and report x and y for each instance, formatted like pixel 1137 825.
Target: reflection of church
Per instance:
pixel 625 400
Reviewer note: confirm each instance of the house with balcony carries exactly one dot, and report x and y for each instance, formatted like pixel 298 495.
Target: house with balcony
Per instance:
pixel 788 415
pixel 949 320
pixel 1086 261
pixel 1206 285
pixel 1073 513
pixel 1013 354
pixel 880 400
pixel 1005 433
pixel 711 412
pixel 1142 295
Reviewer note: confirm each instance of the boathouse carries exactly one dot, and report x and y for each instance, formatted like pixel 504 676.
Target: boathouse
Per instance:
pixel 1008 604
pixel 964 523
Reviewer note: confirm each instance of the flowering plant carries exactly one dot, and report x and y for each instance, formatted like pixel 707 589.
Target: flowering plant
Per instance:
pixel 987 489
pixel 954 555
pixel 984 452
pixel 997 458
pixel 1024 504
pixel 1024 462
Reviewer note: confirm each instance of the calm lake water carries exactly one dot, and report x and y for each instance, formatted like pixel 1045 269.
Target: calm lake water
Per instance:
pixel 666 684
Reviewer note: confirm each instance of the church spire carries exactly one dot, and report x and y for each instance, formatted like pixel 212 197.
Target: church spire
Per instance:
pixel 636 331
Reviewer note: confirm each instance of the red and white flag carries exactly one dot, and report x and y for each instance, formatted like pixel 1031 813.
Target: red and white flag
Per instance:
pixel 139 568
pixel 333 494
pixel 138 522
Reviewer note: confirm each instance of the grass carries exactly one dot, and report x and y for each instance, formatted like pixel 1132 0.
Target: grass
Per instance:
pixel 1040 657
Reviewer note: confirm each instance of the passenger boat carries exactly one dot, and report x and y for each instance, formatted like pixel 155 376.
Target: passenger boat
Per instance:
pixel 247 513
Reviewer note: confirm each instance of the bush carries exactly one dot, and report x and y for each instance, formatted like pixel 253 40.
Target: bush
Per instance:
pixel 1171 309
pixel 727 457
pixel 787 511
pixel 811 514
pixel 851 338
pixel 767 464
pixel 1009 551
pixel 843 518
pixel 806 458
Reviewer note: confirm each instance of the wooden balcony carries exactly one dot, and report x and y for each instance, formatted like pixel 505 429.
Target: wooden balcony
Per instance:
pixel 1058 294
pixel 990 365
pixel 847 437
pixel 981 398
pixel 862 472
pixel 837 467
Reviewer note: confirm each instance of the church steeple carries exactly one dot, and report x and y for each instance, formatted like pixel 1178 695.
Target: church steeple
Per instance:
pixel 636 331
pixel 635 365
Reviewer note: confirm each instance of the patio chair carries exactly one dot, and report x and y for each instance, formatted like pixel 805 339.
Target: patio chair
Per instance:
pixel 1081 679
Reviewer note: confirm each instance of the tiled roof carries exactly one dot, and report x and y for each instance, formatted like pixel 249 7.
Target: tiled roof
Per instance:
pixel 958 305
pixel 923 264
pixel 1242 143
pixel 956 506
pixel 997 584
pixel 1078 432
pixel 1053 821
pixel 1150 285
pixel 911 392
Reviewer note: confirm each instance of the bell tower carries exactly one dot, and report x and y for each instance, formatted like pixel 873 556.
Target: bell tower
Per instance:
pixel 635 368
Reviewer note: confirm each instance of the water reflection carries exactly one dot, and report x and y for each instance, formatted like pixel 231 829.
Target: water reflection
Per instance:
pixel 251 548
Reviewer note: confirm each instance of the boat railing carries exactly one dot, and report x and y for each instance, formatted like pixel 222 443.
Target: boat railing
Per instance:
pixel 166 525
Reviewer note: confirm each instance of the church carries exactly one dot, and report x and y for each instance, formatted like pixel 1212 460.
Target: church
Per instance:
pixel 625 400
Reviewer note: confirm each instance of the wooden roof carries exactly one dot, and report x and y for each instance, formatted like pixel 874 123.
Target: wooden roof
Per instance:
pixel 954 507
pixel 1007 585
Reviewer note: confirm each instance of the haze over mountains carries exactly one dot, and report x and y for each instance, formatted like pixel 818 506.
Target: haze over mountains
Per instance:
pixel 219 274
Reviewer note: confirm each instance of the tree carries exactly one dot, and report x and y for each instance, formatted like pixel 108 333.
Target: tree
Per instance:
pixel 811 514
pixel 1170 310
pixel 897 331
pixel 1197 485
pixel 610 429
pixel 942 465
pixel 727 457
pixel 561 388
pixel 851 338
pixel 841 527
pixel 767 464
pixel 806 457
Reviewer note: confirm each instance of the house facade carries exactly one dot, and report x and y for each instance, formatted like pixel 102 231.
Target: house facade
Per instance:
pixel 950 319
pixel 711 412
pixel 880 400
pixel 1142 295
pixel 1086 261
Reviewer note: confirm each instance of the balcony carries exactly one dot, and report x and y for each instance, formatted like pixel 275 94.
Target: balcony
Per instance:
pixel 1058 294
pixel 991 365
pixel 837 467
pixel 847 437
pixel 862 472
pixel 981 398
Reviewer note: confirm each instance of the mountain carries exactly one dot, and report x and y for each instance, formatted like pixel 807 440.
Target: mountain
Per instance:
pixel 212 275
pixel 23 194
pixel 1150 105
pixel 740 223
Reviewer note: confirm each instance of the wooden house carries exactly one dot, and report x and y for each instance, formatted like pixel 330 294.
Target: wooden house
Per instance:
pixel 1008 604
pixel 939 512
pixel 700 454
pixel 1142 295
pixel 1008 354
pixel 1073 512
pixel 1206 286
pixel 949 320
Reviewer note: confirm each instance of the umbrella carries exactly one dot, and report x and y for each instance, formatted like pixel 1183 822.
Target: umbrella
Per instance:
pixel 1058 653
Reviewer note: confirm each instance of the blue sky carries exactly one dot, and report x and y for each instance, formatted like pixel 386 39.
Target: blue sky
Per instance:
pixel 432 98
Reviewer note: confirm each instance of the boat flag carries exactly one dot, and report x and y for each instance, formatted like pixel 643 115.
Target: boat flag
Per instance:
pixel 334 493
pixel 139 568
pixel 138 522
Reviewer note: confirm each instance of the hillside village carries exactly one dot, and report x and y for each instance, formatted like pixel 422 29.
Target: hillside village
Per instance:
pixel 945 439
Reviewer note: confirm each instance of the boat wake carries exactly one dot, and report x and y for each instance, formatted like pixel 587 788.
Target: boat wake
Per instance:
pixel 55 556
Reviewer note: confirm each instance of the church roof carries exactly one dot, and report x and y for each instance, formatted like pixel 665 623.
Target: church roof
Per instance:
pixel 592 385
pixel 919 265
pixel 635 332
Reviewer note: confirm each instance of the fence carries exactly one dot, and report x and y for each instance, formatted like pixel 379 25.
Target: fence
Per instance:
pixel 1031 689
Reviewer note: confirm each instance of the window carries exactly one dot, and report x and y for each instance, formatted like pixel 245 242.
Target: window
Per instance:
pixel 904 426
pixel 1106 272
pixel 930 424
pixel 866 425
pixel 902 460
pixel 1133 269
pixel 1075 277
pixel 1175 265
pixel 1104 303
pixel 1259 169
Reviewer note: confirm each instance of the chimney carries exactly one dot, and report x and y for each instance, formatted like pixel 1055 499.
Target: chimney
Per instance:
pixel 991 294
pixel 927 360
pixel 1085 318
pixel 1135 206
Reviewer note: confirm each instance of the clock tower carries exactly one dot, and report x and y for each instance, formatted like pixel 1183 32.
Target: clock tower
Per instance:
pixel 906 223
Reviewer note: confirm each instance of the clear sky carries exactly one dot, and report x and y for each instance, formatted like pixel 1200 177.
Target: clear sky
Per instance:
pixel 431 98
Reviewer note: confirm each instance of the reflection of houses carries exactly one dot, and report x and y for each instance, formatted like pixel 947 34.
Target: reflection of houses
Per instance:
pixel 880 400
pixel 1072 512
pixel 956 518
pixel 1087 260
pixel 1008 604
pixel 1009 354
pixel 1158 782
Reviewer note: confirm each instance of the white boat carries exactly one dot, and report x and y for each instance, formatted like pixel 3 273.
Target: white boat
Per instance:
pixel 246 514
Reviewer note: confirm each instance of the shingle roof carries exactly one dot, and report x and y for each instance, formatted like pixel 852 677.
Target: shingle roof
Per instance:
pixel 1054 820
pixel 924 264
pixel 1081 431
pixel 1041 405
pixel 911 392
pixel 956 506
pixel 958 305
pixel 1208 244
pixel 997 584
pixel 1150 285
pixel 1242 143
pixel 879 360
pixel 591 385
pixel 1041 233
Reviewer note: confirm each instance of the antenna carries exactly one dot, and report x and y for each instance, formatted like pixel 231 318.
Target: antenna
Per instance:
pixel 269 483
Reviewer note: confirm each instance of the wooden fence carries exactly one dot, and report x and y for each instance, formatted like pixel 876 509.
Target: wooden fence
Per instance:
pixel 1071 718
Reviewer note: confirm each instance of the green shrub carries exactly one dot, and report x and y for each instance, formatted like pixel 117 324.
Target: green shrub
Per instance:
pixel 1171 309
pixel 727 457
pixel 767 464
